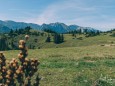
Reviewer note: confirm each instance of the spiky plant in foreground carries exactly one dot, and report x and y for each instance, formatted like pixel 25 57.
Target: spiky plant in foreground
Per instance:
pixel 14 74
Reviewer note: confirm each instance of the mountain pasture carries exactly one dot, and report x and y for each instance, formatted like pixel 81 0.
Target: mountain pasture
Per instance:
pixel 38 42
pixel 74 66
pixel 78 61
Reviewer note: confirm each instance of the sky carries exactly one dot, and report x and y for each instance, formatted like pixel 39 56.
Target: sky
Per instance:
pixel 99 14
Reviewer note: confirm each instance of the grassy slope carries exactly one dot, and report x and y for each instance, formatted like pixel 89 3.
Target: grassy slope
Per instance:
pixel 70 41
pixel 74 42
pixel 77 63
pixel 75 66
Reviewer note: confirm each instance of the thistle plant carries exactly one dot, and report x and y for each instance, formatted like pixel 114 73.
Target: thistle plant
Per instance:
pixel 19 72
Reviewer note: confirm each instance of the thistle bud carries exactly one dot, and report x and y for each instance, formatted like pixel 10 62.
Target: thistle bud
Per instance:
pixel 8 77
pixel 21 46
pixel 25 64
pixel 4 67
pixel 0 61
pixel 27 37
pixel 18 71
pixel 1 77
pixel 9 72
pixel 13 60
pixel 15 76
pixel 26 59
pixel 22 42
pixel 32 59
pixel 8 81
pixel 32 63
pixel 14 65
pixel 20 56
pixel 20 68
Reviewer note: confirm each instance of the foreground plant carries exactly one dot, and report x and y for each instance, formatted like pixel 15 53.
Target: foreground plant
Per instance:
pixel 19 72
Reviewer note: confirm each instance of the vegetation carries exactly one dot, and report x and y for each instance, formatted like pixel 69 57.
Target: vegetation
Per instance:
pixel 48 39
pixel 14 73
pixel 40 39
pixel 75 66
pixel 3 43
pixel 58 38
pixel 49 31
pixel 79 59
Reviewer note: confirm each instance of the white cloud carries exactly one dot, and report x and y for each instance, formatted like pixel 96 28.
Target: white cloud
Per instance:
pixel 55 12
pixel 75 12
pixel 47 16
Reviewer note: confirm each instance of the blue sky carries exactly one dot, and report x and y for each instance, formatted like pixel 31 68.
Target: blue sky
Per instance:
pixel 98 14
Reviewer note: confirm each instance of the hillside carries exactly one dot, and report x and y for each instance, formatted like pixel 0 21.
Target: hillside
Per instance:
pixel 69 41
pixel 38 39
pixel 81 60
pixel 4 29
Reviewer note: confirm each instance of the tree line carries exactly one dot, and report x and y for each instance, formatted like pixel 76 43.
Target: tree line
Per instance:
pixel 85 32
pixel 26 30
pixel 8 42
pixel 57 38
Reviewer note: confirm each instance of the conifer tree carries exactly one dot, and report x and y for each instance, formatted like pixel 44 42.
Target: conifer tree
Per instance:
pixel 48 39
pixel 3 43
pixel 58 38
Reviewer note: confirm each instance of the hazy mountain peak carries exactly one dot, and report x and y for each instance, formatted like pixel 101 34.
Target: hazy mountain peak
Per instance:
pixel 57 27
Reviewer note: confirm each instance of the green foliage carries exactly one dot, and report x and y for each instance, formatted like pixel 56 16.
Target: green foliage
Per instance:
pixel 48 39
pixel 91 34
pixel 3 43
pixel 58 38
pixel 49 31
pixel 58 41
pixel 105 81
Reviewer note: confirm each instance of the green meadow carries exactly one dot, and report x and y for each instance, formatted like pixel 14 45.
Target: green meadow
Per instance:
pixel 92 65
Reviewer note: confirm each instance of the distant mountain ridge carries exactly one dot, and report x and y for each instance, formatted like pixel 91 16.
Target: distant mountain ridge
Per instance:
pixel 6 26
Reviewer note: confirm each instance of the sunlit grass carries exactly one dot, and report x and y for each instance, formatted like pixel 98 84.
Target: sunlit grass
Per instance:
pixel 74 66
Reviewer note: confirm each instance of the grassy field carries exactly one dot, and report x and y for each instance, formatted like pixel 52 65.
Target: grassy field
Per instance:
pixel 74 66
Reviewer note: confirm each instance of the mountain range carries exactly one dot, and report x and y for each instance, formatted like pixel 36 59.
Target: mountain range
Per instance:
pixel 6 26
